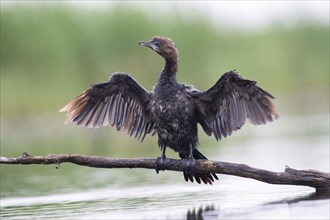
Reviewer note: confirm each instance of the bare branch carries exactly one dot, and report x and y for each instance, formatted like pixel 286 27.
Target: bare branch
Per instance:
pixel 316 179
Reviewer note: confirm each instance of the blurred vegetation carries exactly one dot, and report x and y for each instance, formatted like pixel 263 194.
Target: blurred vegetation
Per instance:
pixel 51 54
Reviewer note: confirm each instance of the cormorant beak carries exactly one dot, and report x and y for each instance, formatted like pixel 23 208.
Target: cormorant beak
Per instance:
pixel 150 44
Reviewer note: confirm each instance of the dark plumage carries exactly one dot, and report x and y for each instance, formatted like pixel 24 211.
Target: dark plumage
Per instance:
pixel 173 110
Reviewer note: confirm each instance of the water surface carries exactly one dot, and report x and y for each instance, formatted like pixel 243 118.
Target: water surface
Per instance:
pixel 43 192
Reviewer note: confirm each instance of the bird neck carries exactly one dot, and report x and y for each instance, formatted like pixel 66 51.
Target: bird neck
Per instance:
pixel 169 72
pixel 171 66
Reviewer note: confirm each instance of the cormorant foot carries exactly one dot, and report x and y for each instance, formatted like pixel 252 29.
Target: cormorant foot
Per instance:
pixel 189 165
pixel 161 163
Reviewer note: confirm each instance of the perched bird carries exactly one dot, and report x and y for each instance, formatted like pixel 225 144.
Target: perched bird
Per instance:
pixel 172 110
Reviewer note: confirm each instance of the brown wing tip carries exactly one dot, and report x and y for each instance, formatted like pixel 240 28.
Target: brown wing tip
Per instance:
pixel 272 107
pixel 74 107
pixel 64 109
pixel 276 114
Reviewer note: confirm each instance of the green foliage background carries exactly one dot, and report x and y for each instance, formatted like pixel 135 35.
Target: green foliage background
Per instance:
pixel 51 54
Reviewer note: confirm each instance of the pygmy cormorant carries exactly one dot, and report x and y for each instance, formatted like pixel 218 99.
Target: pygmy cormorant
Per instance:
pixel 172 110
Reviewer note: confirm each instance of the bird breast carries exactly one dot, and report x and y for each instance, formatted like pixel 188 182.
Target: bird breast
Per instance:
pixel 172 110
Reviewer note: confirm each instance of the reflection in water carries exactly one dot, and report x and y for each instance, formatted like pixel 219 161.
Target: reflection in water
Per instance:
pixel 318 195
pixel 197 214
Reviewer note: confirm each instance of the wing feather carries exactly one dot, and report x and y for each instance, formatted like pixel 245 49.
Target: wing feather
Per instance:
pixel 121 102
pixel 225 107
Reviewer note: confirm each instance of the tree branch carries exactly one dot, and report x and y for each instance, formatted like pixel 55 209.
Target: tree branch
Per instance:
pixel 316 179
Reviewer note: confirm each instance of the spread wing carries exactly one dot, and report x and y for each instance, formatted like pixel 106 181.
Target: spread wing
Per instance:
pixel 120 102
pixel 225 106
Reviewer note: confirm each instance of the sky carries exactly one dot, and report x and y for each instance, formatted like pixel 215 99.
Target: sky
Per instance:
pixel 236 14
pixel 245 14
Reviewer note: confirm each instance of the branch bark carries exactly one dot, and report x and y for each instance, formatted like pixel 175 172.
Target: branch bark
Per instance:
pixel 316 179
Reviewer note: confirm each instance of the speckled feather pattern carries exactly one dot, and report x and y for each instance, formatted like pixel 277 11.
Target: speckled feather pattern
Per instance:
pixel 172 110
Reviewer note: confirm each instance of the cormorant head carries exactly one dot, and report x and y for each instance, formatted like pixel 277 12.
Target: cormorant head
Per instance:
pixel 163 46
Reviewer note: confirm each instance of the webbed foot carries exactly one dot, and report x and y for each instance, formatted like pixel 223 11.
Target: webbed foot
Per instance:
pixel 189 167
pixel 161 163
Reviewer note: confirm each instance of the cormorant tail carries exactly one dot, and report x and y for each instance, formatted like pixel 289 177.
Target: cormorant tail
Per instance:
pixel 207 178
